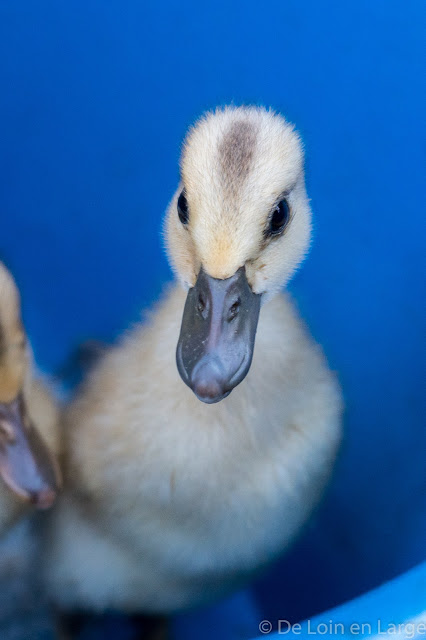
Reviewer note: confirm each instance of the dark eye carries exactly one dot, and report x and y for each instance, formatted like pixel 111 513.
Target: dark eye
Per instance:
pixel 279 218
pixel 182 208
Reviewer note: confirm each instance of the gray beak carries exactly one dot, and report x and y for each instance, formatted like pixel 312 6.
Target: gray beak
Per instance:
pixel 26 465
pixel 216 341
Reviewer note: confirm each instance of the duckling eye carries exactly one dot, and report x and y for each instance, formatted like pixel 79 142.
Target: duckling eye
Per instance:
pixel 279 218
pixel 182 208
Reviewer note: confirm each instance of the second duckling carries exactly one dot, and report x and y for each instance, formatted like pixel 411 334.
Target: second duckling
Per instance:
pixel 29 473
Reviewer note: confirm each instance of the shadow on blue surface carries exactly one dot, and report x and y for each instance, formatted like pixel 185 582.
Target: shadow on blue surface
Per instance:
pixel 395 610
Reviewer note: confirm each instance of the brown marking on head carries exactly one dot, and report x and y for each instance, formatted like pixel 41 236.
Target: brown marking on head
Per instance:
pixel 236 153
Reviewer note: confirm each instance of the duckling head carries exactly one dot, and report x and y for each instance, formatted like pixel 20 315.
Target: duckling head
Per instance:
pixel 26 465
pixel 237 228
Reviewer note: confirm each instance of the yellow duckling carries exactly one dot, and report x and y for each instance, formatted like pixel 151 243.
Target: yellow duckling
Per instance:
pixel 180 491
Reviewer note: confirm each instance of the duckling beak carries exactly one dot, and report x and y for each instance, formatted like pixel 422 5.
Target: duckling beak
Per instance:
pixel 218 330
pixel 26 464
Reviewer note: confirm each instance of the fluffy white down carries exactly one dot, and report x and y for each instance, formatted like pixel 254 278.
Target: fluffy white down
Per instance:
pixel 180 501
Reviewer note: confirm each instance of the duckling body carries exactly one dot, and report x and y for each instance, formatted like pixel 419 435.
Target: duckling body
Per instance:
pixel 175 502
pixel 172 502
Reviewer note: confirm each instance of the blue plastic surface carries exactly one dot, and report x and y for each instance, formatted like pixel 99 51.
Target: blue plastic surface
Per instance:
pixel 95 98
pixel 395 610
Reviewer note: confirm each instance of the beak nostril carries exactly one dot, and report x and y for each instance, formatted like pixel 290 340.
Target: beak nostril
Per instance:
pixel 234 309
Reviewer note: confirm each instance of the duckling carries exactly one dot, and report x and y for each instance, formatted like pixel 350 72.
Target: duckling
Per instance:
pixel 29 474
pixel 184 481
pixel 29 436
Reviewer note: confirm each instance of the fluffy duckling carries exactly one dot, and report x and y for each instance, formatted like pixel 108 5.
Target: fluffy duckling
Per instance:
pixel 29 474
pixel 179 492
pixel 29 436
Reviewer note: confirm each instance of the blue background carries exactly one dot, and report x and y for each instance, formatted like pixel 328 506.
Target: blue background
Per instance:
pixel 95 98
